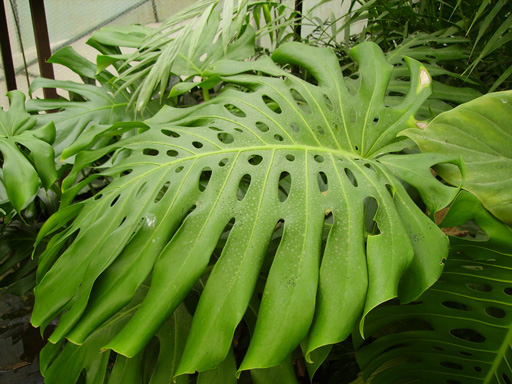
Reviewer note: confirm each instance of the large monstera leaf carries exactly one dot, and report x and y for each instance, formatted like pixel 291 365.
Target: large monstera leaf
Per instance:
pixel 459 331
pixel 270 153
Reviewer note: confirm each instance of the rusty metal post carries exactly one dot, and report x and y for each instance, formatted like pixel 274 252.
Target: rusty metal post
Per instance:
pixel 42 44
pixel 5 45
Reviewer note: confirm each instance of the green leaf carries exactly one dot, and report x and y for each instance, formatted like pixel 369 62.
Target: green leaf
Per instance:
pixel 479 132
pixel 459 330
pixel 27 152
pixel 270 153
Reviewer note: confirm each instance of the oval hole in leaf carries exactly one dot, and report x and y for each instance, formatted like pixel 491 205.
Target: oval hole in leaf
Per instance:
pixel 215 129
pixel 139 192
pixel 375 120
pixel 456 305
pixel 225 138
pixel 278 137
pixel 169 133
pixel 370 207
pixel 99 195
pixel 451 365
pixel 300 101
pixel 255 159
pixel 172 153
pixel 479 287
pixel 351 177
pixel 436 348
pixel 114 202
pixel 328 102
pixel 322 183
pixel 271 104
pixel 204 179
pixel 197 144
pixel 320 130
pixel 319 158
pixel 477 369
pixel 223 162
pixel 179 169
pixel 150 152
pixel 234 110
pixel 161 193
pixel 295 127
pixel 243 186
pixel 284 186
pixel 468 335
pixel 495 312
pixel 463 353
pixel 508 291
pixel 290 157
pixel 262 126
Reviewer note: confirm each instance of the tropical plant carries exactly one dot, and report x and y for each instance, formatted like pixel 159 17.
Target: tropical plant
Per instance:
pixel 250 218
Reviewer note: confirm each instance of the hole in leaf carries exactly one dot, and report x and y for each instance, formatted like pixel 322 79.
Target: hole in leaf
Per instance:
pixel 215 129
pixel 239 129
pixel 478 287
pixel 506 379
pixel 262 126
pixel 295 127
pixel 319 158
pixel 114 202
pixel 351 177
pixel 284 186
pixel 203 57
pixel 172 153
pixel 375 121
pixel 451 365
pixel 161 193
pixel 436 348
pixel 99 195
pixel 508 291
pixel 243 186
pixel 320 130
pixel 300 101
pixel 370 207
pixel 477 369
pixel 255 159
pixel 397 346
pixel 278 137
pixel 225 138
pixel 166 132
pixel 223 162
pixel 150 152
pixel 290 157
pixel 271 104
pixel 234 110
pixel 139 192
pixel 473 267
pixel 463 353
pixel 468 335
pixel 179 169
pixel 224 236
pixel 495 312
pixel 197 144
pixel 322 183
pixel 204 179
pixel 328 102
pixel 456 305
pixel 390 189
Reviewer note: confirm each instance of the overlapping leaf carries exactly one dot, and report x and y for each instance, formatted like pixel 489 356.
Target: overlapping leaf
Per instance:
pixel 271 151
pixel 27 154
pixel 460 330
pixel 480 132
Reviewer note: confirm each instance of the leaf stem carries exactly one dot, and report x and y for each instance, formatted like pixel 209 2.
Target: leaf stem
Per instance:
pixel 206 94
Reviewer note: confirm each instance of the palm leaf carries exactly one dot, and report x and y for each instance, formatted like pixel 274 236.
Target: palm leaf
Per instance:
pixel 458 331
pixel 271 151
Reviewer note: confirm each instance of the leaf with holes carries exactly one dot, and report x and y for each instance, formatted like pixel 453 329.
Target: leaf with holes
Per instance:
pixel 460 330
pixel 27 154
pixel 271 153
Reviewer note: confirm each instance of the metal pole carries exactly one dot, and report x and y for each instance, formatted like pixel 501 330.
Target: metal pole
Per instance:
pixel 5 45
pixel 42 44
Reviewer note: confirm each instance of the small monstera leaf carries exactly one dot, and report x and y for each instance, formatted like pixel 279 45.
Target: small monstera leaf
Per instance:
pixel 27 153
pixel 459 330
pixel 271 153
pixel 480 132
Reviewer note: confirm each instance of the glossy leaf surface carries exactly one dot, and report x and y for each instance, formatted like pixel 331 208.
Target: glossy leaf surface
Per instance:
pixel 271 152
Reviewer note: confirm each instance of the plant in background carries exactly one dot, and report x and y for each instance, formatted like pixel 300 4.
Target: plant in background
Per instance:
pixel 253 214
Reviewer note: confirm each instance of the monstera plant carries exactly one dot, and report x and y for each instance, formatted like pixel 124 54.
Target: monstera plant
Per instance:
pixel 249 216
